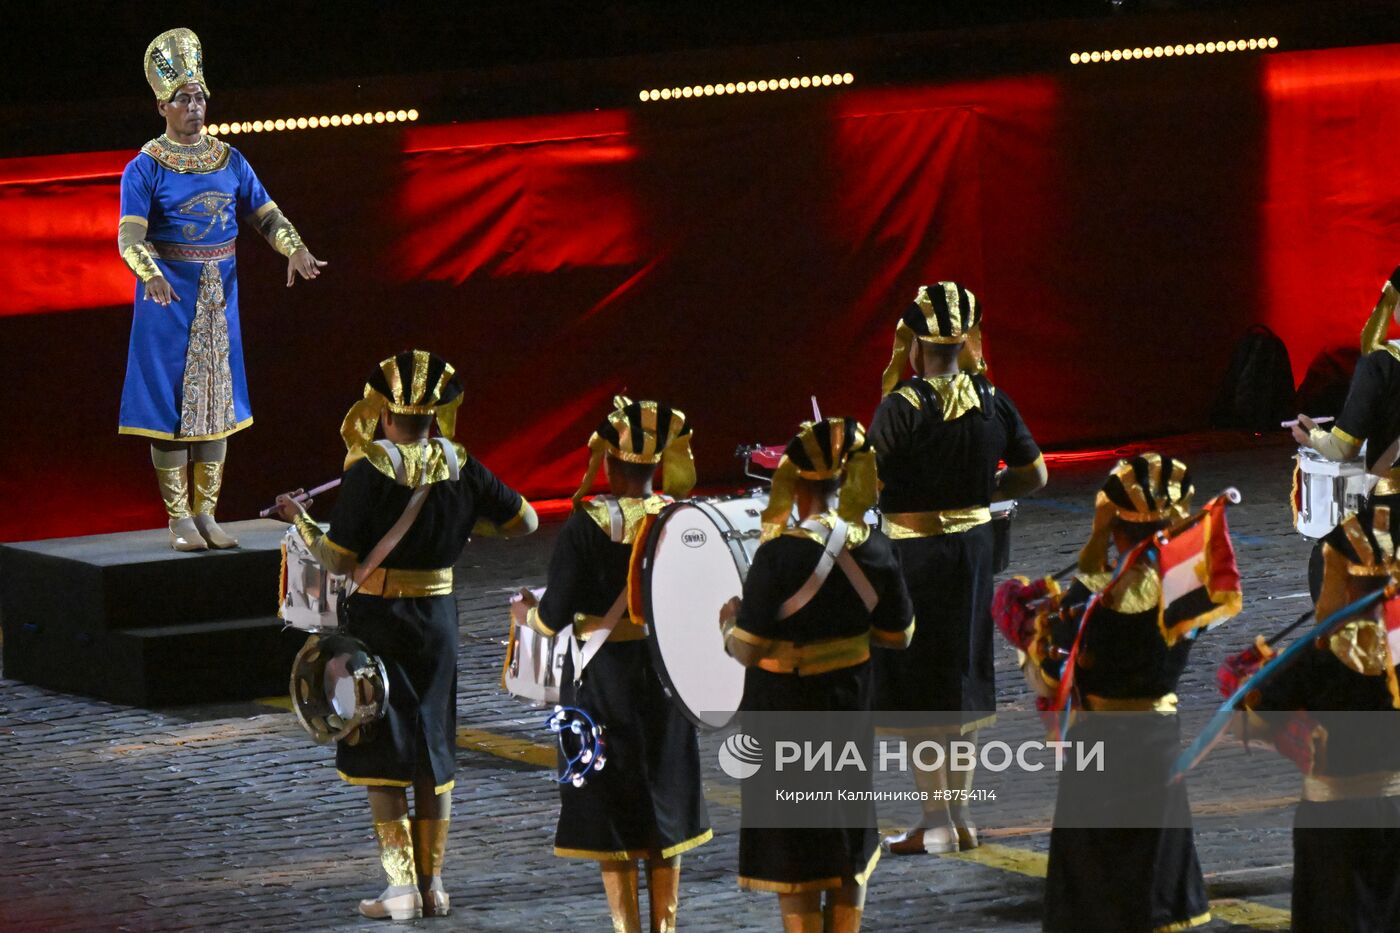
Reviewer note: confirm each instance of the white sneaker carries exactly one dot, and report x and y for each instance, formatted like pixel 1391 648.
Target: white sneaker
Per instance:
pixel 937 840
pixel 396 902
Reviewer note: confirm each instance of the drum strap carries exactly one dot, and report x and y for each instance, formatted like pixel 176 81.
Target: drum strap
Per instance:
pixel 616 526
pixel 600 635
pixel 617 530
pixel 391 540
pixel 834 554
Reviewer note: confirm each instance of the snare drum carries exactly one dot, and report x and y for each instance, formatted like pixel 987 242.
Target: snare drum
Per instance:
pixel 1327 491
pixel 695 558
pixel 534 668
pixel 310 594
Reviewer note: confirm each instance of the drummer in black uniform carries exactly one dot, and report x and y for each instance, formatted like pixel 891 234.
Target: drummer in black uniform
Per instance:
pixel 1371 413
pixel 939 437
pixel 648 803
pixel 404 611
pixel 808 648
pixel 1333 712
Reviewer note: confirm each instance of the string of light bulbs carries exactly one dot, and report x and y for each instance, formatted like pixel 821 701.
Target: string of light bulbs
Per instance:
pixel 367 118
pixel 1170 51
pixel 746 87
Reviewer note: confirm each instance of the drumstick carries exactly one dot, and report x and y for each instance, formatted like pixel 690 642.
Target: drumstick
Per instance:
pixel 324 487
pixel 1294 423
pixel 816 412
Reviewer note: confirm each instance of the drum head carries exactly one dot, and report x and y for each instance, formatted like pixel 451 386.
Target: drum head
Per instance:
pixel 689 572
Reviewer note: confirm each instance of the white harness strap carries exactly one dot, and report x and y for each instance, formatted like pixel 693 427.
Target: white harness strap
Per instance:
pixel 410 513
pixel 833 554
pixel 396 458
pixel 859 581
pixel 615 526
pixel 449 453
pixel 590 649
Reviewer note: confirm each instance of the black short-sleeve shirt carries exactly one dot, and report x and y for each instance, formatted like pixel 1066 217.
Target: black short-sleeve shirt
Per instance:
pixel 1372 409
pixel 928 464
pixel 369 503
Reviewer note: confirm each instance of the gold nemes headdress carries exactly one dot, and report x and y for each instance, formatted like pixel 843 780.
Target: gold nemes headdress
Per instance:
pixel 827 449
pixel 643 432
pixel 1150 487
pixel 415 382
pixel 1378 324
pixel 943 313
pixel 174 59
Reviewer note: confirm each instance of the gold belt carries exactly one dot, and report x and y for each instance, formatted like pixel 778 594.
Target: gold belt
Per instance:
pixel 1324 788
pixel 927 524
pixel 1162 704
pixel 188 252
pixel 395 584
pixel 625 630
pixel 818 657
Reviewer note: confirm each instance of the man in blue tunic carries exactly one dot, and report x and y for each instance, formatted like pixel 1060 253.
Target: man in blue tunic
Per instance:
pixel 181 200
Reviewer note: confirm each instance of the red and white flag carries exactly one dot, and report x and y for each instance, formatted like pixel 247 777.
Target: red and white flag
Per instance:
pixel 1200 581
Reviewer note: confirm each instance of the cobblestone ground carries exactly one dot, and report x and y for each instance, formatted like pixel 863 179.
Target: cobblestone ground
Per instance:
pixel 226 816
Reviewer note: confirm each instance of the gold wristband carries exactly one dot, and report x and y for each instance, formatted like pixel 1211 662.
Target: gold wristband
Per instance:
pixel 308 529
pixel 286 240
pixel 139 259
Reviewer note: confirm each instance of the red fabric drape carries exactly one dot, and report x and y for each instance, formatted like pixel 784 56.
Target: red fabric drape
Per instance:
pixel 1330 215
pixel 58 233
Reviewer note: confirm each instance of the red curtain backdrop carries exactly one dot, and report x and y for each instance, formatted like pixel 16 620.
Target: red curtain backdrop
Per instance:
pixel 1330 214
pixel 58 233
pixel 1122 226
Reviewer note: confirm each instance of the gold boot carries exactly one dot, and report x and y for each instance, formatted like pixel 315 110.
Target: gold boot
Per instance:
pixel 620 883
pixel 429 848
pixel 401 899
pixel 664 892
pixel 208 478
pixel 174 489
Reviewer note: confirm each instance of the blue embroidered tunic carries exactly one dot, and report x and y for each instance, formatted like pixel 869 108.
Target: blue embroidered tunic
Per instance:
pixel 184 374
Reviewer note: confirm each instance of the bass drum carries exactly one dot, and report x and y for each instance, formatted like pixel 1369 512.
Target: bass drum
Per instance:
pixel 694 560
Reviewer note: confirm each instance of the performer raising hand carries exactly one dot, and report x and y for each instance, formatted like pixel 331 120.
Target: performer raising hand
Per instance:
pixel 181 200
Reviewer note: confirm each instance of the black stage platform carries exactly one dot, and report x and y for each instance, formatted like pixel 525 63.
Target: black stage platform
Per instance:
pixel 123 617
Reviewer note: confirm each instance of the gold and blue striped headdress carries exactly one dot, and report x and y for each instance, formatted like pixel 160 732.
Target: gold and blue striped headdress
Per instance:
pixel 1150 487
pixel 643 432
pixel 944 313
pixel 828 449
pixel 414 382
pixel 173 59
